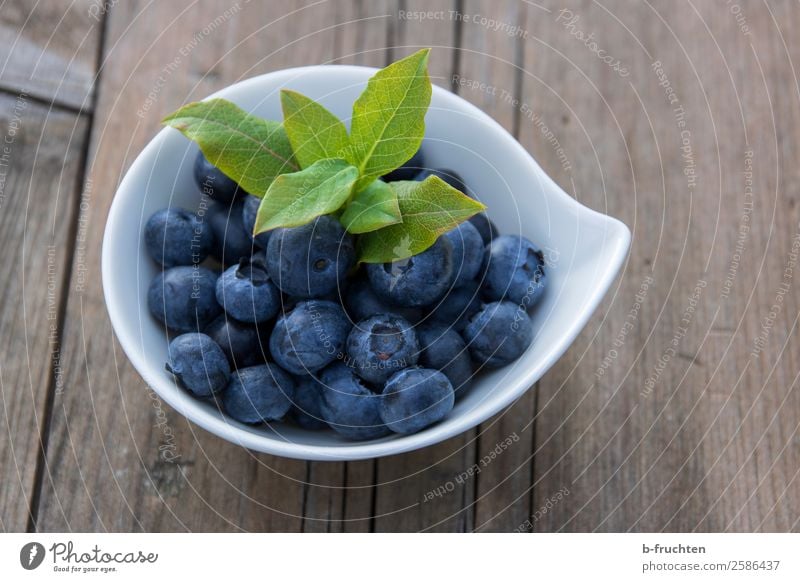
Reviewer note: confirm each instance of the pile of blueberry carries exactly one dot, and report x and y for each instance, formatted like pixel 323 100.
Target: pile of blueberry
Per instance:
pixel 291 328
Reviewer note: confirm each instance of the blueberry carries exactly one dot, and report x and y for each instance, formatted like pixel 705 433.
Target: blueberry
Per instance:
pixel 174 236
pixel 247 293
pixel 288 302
pixel 337 296
pixel 498 334
pixel 306 408
pixel 416 398
pixel 336 370
pixel 309 337
pixel 448 176
pixel 514 270
pixel 241 342
pixel 182 298
pixel 380 346
pixel 310 260
pixel 198 364
pixel 231 240
pixel 408 170
pixel 456 308
pixel 250 206
pixel 486 228
pixel 349 406
pixel 444 349
pixel 258 394
pixel 362 302
pixel 467 252
pixel 417 281
pixel 213 182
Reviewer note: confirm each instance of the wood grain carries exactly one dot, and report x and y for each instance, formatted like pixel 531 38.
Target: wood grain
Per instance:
pixel 707 440
pixel 49 49
pixel 40 163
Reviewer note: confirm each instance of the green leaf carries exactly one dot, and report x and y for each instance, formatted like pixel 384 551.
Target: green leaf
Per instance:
pixel 248 149
pixel 373 208
pixel 429 209
pixel 389 117
pixel 298 198
pixel 315 132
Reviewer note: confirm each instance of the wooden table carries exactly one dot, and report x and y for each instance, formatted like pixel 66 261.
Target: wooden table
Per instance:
pixel 676 409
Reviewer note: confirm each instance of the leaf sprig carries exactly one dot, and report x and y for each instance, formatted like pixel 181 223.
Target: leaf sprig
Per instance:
pixel 309 165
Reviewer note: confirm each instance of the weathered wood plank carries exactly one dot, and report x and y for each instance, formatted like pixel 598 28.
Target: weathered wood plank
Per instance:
pixel 688 443
pixel 49 49
pixel 403 480
pixel 562 108
pixel 744 475
pixel 40 161
pixel 105 468
pixel 713 444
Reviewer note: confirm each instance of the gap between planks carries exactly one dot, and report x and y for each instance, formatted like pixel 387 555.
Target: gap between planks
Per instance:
pixel 80 178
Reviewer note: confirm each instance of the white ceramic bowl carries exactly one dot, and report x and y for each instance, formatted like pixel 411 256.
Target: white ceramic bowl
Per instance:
pixel 586 249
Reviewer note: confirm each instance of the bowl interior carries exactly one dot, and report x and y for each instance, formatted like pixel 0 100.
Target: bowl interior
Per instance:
pixel 584 251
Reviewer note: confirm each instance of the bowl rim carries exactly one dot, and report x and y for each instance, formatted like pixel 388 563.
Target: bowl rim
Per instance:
pixel 618 234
